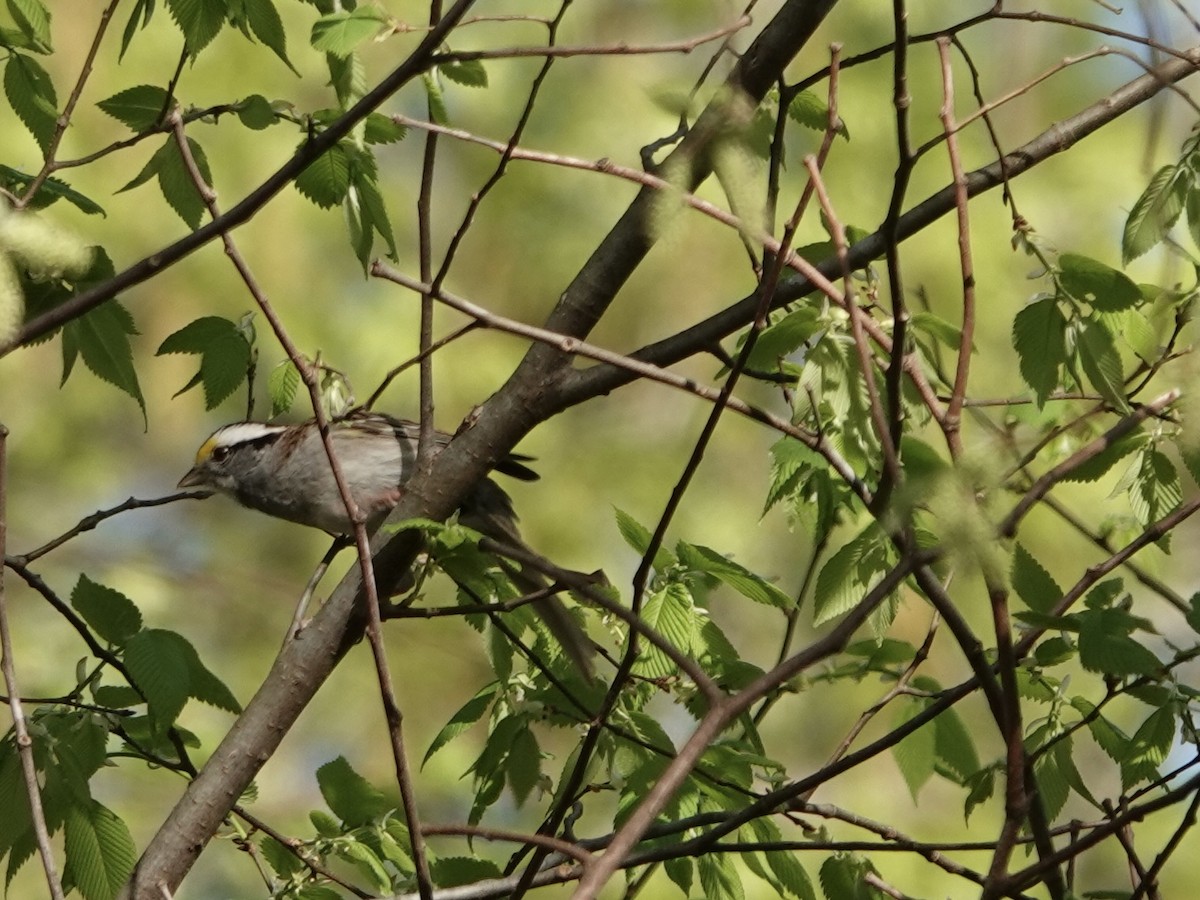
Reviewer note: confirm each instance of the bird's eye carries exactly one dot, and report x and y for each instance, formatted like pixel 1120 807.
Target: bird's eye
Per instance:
pixel 220 454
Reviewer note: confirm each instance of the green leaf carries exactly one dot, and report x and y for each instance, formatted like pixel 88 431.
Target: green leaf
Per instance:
pixel 456 871
pixel 256 112
pixel 680 871
pixel 1033 584
pixel 469 73
pixel 1155 489
pixel 203 685
pixel 1105 288
pixel 1192 203
pixel 736 576
pixel 1193 612
pixel 468 714
pixel 177 184
pixel 140 107
pixel 851 573
pixel 139 18
pixel 199 20
pixel 341 33
pixel 1100 464
pixel 33 19
pixel 937 328
pixel 99 851
pixel 381 129
pixel 31 94
pixel 954 747
pixel 843 877
pixel 719 877
pixel 102 339
pixel 349 796
pixel 783 338
pixel 671 613
pixel 1148 747
pixel 1039 337
pixel 112 615
pixel 523 765
pixel 52 189
pixel 282 384
pixel 437 103
pixel 264 21
pixel 638 537
pixel 811 111
pixel 281 860
pixel 1106 647
pixel 1155 211
pixel 326 181
pixel 224 356
pixel 1097 354
pixel 915 753
pixel 158 671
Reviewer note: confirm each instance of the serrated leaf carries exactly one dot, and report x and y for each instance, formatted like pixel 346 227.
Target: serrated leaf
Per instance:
pixel 1033 584
pixel 780 339
pixel 1156 489
pixel 937 328
pixel 1192 205
pixel 159 673
pixel 1106 647
pixel 469 73
pixel 1039 337
pixel 349 796
pixel 140 107
pixel 102 339
pixel 100 852
pixel 671 613
pixel 719 878
pixel 1099 465
pixel 850 574
pixel 466 716
pixel 736 576
pixel 1105 288
pixel 915 753
pixel 139 17
pixel 282 384
pixel 31 94
pixel 1193 612
pixel 1154 212
pixel 437 103
pixel 638 537
pixel 203 685
pixel 680 871
pixel 523 765
pixel 112 615
pixel 177 184
pixel 327 179
pixel 281 860
pixel 341 33
pixel 1097 354
pixel 381 129
pixel 1148 747
pixel 51 190
pixel 199 20
pixel 33 19
pixel 224 356
pixel 811 111
pixel 264 21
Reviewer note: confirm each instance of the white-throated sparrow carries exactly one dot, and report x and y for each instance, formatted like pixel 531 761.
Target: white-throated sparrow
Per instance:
pixel 283 470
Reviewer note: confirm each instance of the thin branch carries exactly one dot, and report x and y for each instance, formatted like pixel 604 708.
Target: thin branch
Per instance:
pixel 619 48
pixel 24 742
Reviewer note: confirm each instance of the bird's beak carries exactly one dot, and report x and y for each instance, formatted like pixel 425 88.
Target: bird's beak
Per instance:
pixel 194 478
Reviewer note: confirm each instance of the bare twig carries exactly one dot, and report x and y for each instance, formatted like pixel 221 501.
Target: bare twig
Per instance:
pixel 23 740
